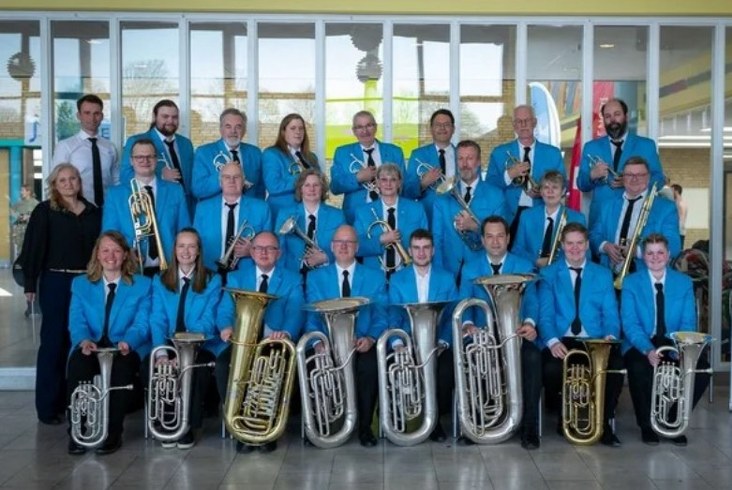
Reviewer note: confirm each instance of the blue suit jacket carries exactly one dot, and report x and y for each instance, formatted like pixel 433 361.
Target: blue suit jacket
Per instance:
pixel 208 223
pixel 184 148
pixel 324 283
pixel 128 319
pixel 663 218
pixel 344 182
pixel 638 307
pixel 545 158
pixel 171 212
pixel 450 249
pixel 327 222
pixel 410 216
pixel 278 181
pixel 600 148
pixel 403 289
pixel 283 314
pixel 200 313
pixel 530 235
pixel 211 156
pixel 428 155
pixel 598 309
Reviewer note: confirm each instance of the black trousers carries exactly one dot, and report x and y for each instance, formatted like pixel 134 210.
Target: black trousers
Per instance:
pixel 367 387
pixel 445 382
pixel 531 380
pixel 640 383
pixel 553 377
pixel 124 369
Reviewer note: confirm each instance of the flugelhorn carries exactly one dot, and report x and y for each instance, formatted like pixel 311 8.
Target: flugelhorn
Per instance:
pixel 407 384
pixel 632 244
pixel 399 249
pixel 145 223
pixel 89 404
pixel 327 380
pixel 672 396
pixel 449 186
pixel 355 166
pixel 169 389
pixel 229 260
pixel 557 237
pixel 423 168
pixel 261 375
pixel 488 370
pixel 526 182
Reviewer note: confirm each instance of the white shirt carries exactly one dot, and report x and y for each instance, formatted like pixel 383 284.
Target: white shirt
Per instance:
pixel 449 160
pixel 553 216
pixel 351 269
pixel 614 148
pixel 423 284
pixel 225 219
pixel 524 199
pixel 385 213
pixel 573 278
pixel 633 220
pixel 375 156
pixel 77 150
pixel 267 330
pixel 153 184
pixel 655 281
pixel 473 185
pixel 168 158
pixel 182 275
pixel 106 287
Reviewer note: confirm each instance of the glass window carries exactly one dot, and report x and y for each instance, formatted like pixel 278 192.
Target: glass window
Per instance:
pixel 218 75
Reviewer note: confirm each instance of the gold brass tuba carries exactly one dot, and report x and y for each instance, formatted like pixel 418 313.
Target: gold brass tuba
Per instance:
pixel 327 380
pixel 261 375
pixel 632 244
pixel 407 384
pixel 169 389
pixel 228 261
pixel 488 370
pixel 449 186
pixel 583 391
pixel 673 385
pixel 557 237
pixel 404 257
pixel 144 222
pixel 89 404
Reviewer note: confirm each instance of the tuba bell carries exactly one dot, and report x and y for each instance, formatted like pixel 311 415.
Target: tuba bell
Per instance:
pixel 261 375
pixel 144 222
pixel 449 186
pixel 407 384
pixel 673 384
pixel 327 380
pixel 169 389
pixel 488 370
pixel 89 404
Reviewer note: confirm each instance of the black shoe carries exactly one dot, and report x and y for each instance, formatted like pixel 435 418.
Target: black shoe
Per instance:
pixel 367 438
pixel 111 445
pixel 187 441
pixel 55 420
pixel 242 448
pixel 464 441
pixel 268 447
pixel 438 435
pixel 679 441
pixel 609 438
pixel 75 449
pixel 307 442
pixel 649 437
pixel 530 439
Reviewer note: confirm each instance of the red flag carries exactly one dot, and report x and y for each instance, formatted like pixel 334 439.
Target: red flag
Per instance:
pixel 574 200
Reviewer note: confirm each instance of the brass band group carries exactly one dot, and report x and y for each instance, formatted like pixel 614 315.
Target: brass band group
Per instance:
pixel 435 288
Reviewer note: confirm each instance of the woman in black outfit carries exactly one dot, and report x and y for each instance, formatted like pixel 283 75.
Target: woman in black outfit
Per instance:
pixel 58 244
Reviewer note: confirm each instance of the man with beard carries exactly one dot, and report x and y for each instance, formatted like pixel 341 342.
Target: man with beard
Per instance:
pixel 603 158
pixel 175 151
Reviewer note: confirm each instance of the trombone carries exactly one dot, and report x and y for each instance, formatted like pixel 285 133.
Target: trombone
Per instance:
pixel 228 261
pixel 557 237
pixel 524 181
pixel 144 222
pixel 404 257
pixel 355 166
pixel 449 186
pixel 423 168
pixel 624 268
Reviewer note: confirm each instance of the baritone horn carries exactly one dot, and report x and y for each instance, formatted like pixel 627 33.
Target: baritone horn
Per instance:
pixel 488 370
pixel 526 182
pixel 399 249
pixel 169 389
pixel 449 186
pixel 673 383
pixel 261 375
pixel 144 222
pixel 228 261
pixel 407 384
pixel 89 404
pixel 327 380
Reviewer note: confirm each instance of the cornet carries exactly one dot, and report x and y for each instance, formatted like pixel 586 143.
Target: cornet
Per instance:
pixel 144 222
pixel 290 226
pixel 228 261
pixel 450 186
pixel 595 160
pixel 525 181
pixel 397 245
pixel 355 166
pixel 423 168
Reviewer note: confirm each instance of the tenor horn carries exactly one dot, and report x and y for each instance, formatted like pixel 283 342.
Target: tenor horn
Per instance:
pixel 407 384
pixel 488 370
pixel 449 186
pixel 672 397
pixel 327 380
pixel 169 389
pixel 399 249
pixel 89 404
pixel 144 222
pixel 261 375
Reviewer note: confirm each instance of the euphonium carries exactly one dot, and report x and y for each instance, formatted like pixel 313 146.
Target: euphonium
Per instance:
pixel 228 261
pixel 632 244
pixel 144 222
pixel 404 257
pixel 583 391
pixel 673 384
pixel 89 405
pixel 327 380
pixel 488 370
pixel 261 375
pixel 407 384
pixel 557 237
pixel 169 390
pixel 450 186
pixel 526 182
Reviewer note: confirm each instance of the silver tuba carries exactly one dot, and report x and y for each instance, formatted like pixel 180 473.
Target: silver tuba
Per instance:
pixel 169 389
pixel 488 370
pixel 89 404
pixel 407 384
pixel 449 186
pixel 327 380
pixel 674 384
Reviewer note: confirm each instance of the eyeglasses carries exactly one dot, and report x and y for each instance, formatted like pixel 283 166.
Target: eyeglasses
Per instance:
pixel 635 176
pixel 261 249
pixel 143 158
pixel 365 127
pixel 442 125
pixel 344 242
